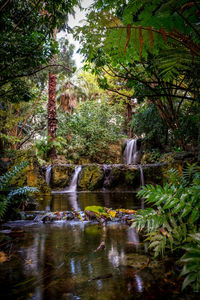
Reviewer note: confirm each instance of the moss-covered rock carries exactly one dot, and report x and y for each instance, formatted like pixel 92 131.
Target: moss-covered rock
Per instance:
pixel 91 178
pixel 132 177
pixel 123 177
pixel 31 175
pixel 154 173
pixel 61 176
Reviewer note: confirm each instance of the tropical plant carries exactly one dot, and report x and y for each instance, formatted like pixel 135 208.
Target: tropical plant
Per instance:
pixel 152 48
pixel 191 260
pixel 146 122
pixel 6 194
pixel 177 214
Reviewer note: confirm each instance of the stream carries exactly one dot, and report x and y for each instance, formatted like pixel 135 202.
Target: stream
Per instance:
pixel 81 260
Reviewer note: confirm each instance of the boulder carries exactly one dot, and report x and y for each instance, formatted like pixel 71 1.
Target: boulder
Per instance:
pixel 61 176
pixel 122 177
pixel 91 178
pixel 32 175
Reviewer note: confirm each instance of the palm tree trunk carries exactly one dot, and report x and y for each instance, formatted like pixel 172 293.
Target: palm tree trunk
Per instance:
pixel 52 121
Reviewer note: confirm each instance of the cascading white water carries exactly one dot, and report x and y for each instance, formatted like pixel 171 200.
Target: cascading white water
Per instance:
pixel 73 184
pixel 130 152
pixel 48 174
pixel 141 175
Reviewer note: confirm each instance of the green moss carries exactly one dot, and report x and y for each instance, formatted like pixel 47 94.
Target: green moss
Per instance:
pixel 125 177
pixel 31 175
pixel 61 175
pixel 91 178
pixel 132 177
pixel 153 174
pixel 98 210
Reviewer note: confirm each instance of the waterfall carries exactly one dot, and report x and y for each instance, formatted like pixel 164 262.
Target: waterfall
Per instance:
pixel 73 184
pixel 131 153
pixel 141 175
pixel 48 175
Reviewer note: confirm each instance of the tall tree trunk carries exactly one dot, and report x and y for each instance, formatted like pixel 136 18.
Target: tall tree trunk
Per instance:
pixel 52 121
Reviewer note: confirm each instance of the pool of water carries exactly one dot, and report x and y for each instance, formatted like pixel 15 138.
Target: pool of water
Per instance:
pixel 69 260
pixel 79 200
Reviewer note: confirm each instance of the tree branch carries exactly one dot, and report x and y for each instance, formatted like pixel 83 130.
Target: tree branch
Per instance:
pixel 4 5
pixel 115 91
pixel 36 71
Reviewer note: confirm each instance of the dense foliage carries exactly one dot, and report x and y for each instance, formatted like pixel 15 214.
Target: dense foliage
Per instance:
pixel 91 129
pixel 27 45
pixel 154 48
pixel 146 122
pixel 174 221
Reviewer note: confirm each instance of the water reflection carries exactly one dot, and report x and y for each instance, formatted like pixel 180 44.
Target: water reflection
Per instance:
pixel 133 237
pixel 56 261
pixel 67 201
pixel 115 257
pixel 73 201
pixel 139 283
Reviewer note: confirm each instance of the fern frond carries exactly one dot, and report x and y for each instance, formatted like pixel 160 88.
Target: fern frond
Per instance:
pixel 174 176
pixel 190 171
pixel 22 191
pixel 5 179
pixel 3 205
pixel 191 259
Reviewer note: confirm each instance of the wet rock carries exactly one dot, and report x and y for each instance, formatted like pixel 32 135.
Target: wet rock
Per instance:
pixel 183 155
pixel 153 173
pixel 32 175
pixel 48 218
pixel 61 176
pixel 123 177
pixel 90 215
pixel 69 296
pixel 91 178
pixel 69 215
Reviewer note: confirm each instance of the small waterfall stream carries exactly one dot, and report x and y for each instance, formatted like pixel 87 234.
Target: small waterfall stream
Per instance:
pixel 48 174
pixel 131 154
pixel 141 175
pixel 73 185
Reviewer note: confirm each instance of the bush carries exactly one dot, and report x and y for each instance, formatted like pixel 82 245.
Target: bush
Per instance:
pixel 91 129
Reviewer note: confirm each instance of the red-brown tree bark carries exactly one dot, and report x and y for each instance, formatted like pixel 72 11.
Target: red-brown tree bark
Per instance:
pixel 52 121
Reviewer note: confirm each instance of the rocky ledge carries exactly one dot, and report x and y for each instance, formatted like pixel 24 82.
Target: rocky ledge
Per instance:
pixel 91 213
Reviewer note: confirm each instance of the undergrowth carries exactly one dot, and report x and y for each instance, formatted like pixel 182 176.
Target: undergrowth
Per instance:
pixel 172 222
